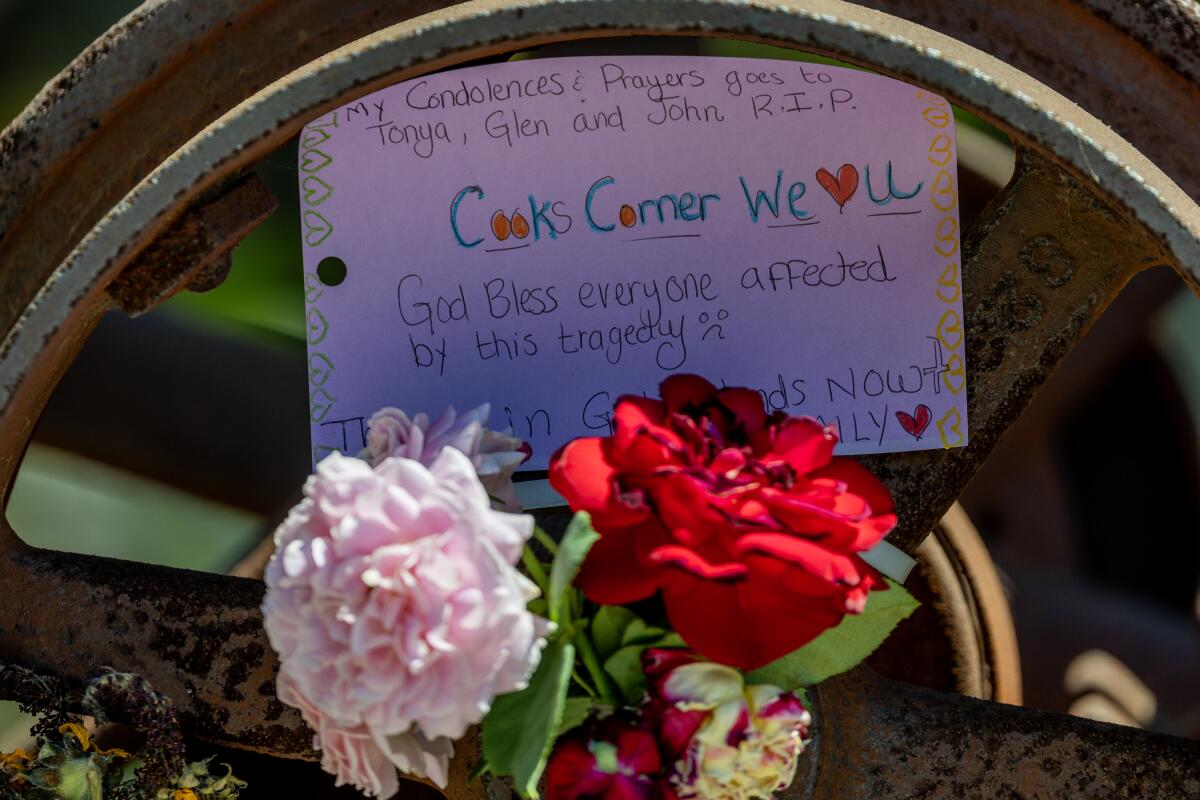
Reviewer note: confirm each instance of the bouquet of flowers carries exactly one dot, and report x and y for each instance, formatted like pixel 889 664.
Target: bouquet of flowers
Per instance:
pixel 659 648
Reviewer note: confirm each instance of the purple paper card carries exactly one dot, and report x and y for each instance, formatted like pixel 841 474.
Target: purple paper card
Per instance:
pixel 547 235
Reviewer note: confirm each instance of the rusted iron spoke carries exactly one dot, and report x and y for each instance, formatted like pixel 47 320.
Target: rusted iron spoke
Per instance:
pixel 1039 267
pixel 194 636
pixel 196 251
pixel 883 739
pixel 227 51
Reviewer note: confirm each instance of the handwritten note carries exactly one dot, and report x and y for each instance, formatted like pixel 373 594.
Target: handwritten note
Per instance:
pixel 547 235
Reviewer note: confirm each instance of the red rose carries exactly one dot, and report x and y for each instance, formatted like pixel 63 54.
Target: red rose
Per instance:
pixel 745 522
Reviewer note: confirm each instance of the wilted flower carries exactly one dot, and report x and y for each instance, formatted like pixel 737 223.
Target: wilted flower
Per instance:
pixel 70 766
pixel 196 782
pixel 397 612
pixel 495 455
pixel 727 740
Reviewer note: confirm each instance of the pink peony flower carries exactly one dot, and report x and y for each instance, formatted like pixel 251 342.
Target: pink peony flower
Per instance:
pixel 496 455
pixel 397 613
pixel 728 741
pixel 349 753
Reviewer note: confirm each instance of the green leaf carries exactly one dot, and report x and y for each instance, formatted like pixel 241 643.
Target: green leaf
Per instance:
pixel 575 713
pixel 671 639
pixel 840 648
pixel 520 729
pixel 638 632
pixel 625 668
pixel 573 548
pixel 480 769
pixel 539 606
pixel 608 627
pixel 624 665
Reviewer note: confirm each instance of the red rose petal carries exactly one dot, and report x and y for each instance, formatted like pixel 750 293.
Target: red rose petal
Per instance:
pixel 710 618
pixel 859 480
pixel 640 442
pixel 812 558
pixel 747 408
pixel 804 444
pixel 691 561
pixel 680 392
pixel 613 574
pixel 581 473
pixel 871 531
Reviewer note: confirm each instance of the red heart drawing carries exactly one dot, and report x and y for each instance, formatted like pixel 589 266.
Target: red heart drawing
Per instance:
pixel 915 426
pixel 841 188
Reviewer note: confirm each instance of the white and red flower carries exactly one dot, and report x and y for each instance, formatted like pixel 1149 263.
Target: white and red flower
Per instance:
pixel 725 740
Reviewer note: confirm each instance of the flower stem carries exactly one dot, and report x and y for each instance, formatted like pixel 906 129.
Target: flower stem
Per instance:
pixel 604 685
pixel 587 687
pixel 530 560
pixel 545 540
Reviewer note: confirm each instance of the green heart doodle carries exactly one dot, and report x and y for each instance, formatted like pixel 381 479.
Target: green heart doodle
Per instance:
pixel 320 451
pixel 313 137
pixel 312 161
pixel 316 228
pixel 312 287
pixel 319 369
pixel 316 191
pixel 319 404
pixel 318 326
pixel 330 122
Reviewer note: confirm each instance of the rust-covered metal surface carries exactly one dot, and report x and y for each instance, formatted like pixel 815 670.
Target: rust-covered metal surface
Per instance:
pixel 93 177
pixel 1133 63
pixel 196 252
pixel 884 740
pixel 1042 264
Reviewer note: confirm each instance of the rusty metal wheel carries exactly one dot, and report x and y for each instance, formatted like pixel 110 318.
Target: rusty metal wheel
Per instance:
pixel 124 183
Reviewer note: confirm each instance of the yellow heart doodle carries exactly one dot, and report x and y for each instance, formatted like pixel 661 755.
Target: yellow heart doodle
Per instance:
pixel 949 330
pixel 941 150
pixel 948 287
pixel 943 195
pixel 319 404
pixel 955 374
pixel 950 423
pixel 946 237
pixel 937 117
pixel 929 97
